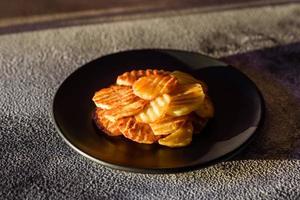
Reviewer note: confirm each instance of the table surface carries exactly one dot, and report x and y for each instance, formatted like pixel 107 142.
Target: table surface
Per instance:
pixel 20 15
pixel 36 163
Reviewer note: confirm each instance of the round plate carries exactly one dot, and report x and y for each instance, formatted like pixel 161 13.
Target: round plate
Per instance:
pixel 238 112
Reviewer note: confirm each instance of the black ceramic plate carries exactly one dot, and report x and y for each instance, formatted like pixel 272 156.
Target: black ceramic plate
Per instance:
pixel 238 112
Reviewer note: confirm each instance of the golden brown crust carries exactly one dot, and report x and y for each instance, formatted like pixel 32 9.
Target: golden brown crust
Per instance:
pixel 150 87
pixel 108 127
pixel 113 96
pixel 138 132
pixel 128 110
pixel 128 78
pixel 149 106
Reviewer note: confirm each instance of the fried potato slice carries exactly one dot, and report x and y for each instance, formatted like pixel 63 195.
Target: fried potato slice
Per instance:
pixel 185 78
pixel 155 110
pixel 128 78
pixel 198 122
pixel 187 98
pixel 149 87
pixel 180 138
pixel 168 125
pixel 114 96
pixel 125 110
pixel 110 128
pixel 138 132
pixel 206 109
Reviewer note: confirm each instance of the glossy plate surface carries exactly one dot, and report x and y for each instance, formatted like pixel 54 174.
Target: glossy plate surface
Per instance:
pixel 238 113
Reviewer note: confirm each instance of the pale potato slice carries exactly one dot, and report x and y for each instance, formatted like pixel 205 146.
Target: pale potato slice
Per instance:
pixel 168 124
pixel 206 109
pixel 155 110
pixel 185 78
pixel 180 138
pixel 152 86
pixel 187 98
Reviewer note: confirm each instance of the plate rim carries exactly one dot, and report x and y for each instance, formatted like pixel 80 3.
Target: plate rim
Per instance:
pixel 142 170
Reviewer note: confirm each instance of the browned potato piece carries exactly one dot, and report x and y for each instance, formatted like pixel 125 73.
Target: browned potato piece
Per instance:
pixel 125 111
pixel 114 96
pixel 199 123
pixel 138 132
pixel 109 127
pixel 128 78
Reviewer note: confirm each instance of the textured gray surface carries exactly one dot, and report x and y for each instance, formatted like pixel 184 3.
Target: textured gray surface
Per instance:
pixel 35 163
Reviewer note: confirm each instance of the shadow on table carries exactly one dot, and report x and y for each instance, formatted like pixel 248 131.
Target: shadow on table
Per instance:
pixel 276 72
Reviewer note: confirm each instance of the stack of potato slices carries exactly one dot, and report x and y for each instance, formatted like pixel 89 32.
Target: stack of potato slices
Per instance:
pixel 149 106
